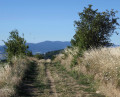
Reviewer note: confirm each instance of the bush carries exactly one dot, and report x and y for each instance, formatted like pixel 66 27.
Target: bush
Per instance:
pixel 39 56
pixel 29 53
pixel 15 45
pixel 94 28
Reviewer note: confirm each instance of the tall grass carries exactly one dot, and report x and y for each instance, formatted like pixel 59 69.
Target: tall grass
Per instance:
pixel 103 64
pixel 11 75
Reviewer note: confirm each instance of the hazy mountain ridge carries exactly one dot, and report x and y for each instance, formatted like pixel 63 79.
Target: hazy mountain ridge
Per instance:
pixel 44 47
pixel 47 46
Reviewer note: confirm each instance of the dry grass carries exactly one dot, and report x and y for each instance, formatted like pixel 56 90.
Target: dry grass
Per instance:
pixel 66 57
pixel 11 75
pixel 65 85
pixel 102 63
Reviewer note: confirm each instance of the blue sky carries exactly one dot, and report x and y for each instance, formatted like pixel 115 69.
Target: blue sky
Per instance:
pixel 42 20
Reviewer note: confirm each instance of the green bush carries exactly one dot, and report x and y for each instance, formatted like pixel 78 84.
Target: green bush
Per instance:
pixel 29 53
pixel 51 54
pixel 15 45
pixel 39 56
pixel 94 28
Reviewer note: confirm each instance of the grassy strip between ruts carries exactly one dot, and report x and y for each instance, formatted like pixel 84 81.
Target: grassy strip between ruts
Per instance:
pixel 42 81
pixel 81 79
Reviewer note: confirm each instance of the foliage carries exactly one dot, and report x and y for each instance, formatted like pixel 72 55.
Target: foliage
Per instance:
pixel 15 45
pixel 29 53
pixel 94 28
pixel 39 56
pixel 51 54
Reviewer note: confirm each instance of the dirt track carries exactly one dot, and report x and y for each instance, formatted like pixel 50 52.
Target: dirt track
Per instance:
pixel 51 81
pixel 48 80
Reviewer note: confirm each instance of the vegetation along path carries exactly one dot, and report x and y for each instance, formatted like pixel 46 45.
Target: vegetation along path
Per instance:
pixel 44 79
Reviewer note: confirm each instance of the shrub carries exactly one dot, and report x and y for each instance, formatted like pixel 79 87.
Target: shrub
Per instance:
pixel 39 56
pixel 29 53
pixel 94 28
pixel 15 45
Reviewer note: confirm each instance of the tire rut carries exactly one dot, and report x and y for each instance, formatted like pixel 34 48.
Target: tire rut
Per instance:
pixel 46 80
pixel 37 82
pixel 51 81
pixel 27 87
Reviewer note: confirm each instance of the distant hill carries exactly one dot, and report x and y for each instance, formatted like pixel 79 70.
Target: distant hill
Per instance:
pixel 47 46
pixel 44 47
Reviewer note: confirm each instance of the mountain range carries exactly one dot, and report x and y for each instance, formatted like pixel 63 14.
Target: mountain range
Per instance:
pixel 44 47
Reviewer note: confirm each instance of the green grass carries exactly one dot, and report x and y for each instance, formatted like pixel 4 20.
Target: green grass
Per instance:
pixel 34 82
pixel 86 80
pixel 41 81
pixel 29 76
pixel 80 77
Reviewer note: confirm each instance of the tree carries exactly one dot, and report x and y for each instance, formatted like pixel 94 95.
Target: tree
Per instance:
pixel 29 53
pixel 39 56
pixel 15 45
pixel 94 28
